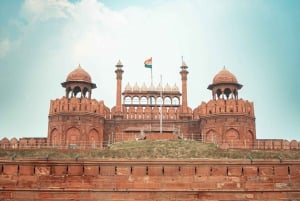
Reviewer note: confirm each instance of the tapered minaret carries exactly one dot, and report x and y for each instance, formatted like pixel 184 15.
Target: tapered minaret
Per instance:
pixel 119 73
pixel 185 112
pixel 184 74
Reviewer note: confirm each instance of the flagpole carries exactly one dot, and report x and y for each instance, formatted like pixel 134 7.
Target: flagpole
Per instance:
pixel 151 77
pixel 161 104
pixel 151 103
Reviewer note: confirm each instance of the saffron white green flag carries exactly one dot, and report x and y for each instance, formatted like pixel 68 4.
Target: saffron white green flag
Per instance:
pixel 148 63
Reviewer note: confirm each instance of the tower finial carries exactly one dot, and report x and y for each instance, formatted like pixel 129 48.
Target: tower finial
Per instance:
pixel 119 64
pixel 183 64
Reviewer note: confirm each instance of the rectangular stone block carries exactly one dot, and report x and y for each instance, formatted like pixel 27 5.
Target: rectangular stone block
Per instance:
pixel 204 183
pixel 8 181
pixel 10 169
pixel 105 182
pixel 155 170
pixel 92 170
pixel 143 186
pixel 59 170
pixel 259 185
pixel 187 170
pixel 123 170
pixel 234 171
pixel 229 185
pixel 107 170
pixel 250 170
pixel 122 182
pixel 171 170
pixel 203 170
pixel 76 170
pixel 266 171
pixel 219 171
pixel 27 181
pixel 26 169
pixel 295 174
pixel 281 170
pixel 42 170
pixel 139 170
pixel 74 182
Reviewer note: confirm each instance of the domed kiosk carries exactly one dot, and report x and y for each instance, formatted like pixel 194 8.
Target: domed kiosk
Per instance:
pixel 78 84
pixel 225 85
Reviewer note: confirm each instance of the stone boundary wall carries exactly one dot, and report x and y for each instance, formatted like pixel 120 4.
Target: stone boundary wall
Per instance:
pixel 206 180
pixel 259 144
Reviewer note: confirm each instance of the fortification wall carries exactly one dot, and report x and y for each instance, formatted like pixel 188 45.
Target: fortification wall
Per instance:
pixel 222 106
pixel 75 105
pixel 261 144
pixel 206 180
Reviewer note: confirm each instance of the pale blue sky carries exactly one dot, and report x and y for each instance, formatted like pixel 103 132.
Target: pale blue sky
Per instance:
pixel 42 41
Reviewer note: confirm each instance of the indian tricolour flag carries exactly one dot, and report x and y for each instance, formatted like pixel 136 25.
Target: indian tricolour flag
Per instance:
pixel 148 63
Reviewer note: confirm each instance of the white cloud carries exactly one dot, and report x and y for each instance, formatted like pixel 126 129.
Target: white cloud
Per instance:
pixel 36 10
pixel 5 46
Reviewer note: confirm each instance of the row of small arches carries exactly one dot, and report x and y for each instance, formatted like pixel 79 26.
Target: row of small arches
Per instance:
pixel 151 100
pixel 226 93
pixel 78 92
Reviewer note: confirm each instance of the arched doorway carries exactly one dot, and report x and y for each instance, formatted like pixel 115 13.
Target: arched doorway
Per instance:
pixel 93 138
pixel 249 140
pixel 73 137
pixel 232 137
pixel 55 138
pixel 211 136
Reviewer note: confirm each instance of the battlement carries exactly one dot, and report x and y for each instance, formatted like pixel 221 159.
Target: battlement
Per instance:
pixel 76 105
pixel 222 106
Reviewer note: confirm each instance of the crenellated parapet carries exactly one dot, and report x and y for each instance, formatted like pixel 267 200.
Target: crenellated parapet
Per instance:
pixel 222 106
pixel 76 105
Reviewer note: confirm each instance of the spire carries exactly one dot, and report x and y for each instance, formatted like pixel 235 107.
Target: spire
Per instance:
pixel 119 64
pixel 183 64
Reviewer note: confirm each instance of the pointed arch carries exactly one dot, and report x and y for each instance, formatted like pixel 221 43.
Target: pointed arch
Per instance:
pixel 211 136
pixel 73 136
pixel 249 139
pixel 93 138
pixel 231 136
pixel 55 137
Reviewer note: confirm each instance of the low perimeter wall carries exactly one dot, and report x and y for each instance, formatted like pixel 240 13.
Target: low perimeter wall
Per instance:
pixel 180 180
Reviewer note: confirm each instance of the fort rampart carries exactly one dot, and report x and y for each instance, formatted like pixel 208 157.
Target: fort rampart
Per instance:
pixel 259 144
pixel 186 180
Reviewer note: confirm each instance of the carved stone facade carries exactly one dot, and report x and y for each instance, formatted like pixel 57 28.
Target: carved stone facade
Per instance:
pixel 150 112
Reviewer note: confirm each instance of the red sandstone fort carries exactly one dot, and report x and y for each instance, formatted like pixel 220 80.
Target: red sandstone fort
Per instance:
pixel 150 112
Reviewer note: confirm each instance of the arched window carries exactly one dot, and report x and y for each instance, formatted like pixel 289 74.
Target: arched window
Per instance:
pixel 227 92
pixel 127 100
pixel 175 101
pixel 219 92
pixel 167 101
pixel 135 100
pixel 85 92
pixel 159 101
pixel 143 100
pixel 77 92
